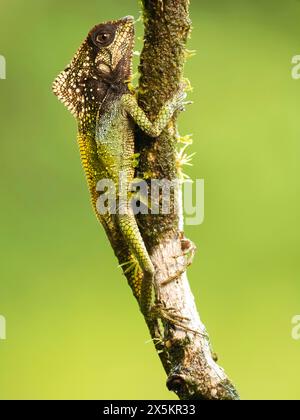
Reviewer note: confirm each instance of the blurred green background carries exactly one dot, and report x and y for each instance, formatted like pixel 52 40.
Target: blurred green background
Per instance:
pixel 73 329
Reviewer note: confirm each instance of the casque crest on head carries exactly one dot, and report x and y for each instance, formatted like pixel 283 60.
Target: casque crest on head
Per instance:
pixel 103 61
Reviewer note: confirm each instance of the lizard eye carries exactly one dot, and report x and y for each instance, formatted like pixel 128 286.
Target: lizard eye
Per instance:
pixel 103 39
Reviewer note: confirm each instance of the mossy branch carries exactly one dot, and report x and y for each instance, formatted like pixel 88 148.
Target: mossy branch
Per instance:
pixel 186 356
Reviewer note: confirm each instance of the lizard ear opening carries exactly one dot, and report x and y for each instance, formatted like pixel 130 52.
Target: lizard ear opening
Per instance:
pixel 66 88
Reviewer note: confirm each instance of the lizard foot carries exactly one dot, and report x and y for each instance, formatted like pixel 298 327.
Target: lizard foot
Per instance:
pixel 170 315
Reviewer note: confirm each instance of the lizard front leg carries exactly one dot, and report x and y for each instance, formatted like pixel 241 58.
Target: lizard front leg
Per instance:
pixel 155 128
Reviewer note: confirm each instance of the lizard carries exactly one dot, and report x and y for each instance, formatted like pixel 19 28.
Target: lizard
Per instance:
pixel 95 88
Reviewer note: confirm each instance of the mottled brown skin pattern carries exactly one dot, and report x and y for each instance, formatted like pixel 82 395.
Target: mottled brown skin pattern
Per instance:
pixel 95 90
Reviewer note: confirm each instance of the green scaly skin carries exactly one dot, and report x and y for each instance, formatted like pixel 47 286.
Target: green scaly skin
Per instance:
pixel 95 89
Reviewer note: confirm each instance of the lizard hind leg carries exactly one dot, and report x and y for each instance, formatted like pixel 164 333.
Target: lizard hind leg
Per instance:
pixel 132 235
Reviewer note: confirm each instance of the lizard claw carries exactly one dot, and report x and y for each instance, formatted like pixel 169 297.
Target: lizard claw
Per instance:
pixel 170 315
pixel 184 104
pixel 180 100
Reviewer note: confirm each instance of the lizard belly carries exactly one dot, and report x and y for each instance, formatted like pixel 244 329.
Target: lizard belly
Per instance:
pixel 115 145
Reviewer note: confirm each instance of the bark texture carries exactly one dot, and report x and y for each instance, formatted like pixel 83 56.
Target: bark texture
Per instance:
pixel 186 356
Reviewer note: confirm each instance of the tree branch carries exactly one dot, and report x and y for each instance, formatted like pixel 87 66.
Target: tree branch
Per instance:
pixel 187 357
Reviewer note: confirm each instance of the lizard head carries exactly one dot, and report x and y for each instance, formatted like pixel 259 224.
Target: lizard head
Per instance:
pixel 112 44
pixel 103 61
